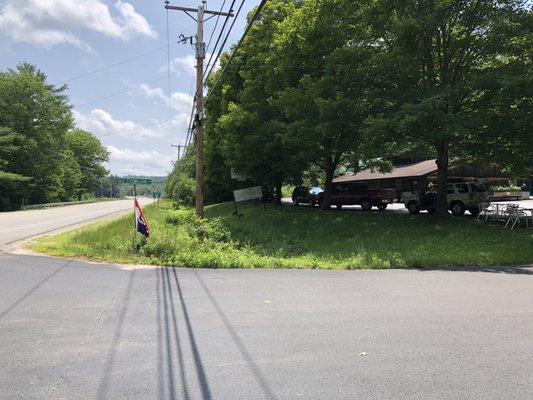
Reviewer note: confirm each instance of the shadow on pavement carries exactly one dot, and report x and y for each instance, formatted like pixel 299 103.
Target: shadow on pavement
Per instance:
pixel 31 291
pixel 514 270
pixel 169 298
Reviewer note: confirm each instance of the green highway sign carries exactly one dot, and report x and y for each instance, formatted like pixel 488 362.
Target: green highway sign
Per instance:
pixel 135 180
pixel 156 195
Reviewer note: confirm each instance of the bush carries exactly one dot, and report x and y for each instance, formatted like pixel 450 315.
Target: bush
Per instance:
pixel 509 188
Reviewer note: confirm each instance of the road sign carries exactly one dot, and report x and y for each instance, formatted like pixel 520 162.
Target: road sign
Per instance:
pixel 247 193
pixel 156 195
pixel 135 180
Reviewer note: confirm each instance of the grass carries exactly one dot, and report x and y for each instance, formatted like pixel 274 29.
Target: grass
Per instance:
pixel 290 237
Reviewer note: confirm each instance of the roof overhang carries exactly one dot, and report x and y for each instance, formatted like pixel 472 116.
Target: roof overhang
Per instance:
pixel 408 171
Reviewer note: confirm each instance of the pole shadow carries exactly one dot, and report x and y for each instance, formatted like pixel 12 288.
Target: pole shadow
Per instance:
pixel 172 380
pixel 246 355
pixel 105 379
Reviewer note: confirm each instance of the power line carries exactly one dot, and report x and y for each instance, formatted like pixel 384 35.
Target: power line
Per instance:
pixel 169 87
pixel 259 8
pixel 114 65
pixel 219 36
pixel 139 127
pixel 122 92
pixel 216 24
pixel 222 45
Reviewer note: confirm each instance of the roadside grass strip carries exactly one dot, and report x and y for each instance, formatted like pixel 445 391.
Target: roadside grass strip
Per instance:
pixel 290 237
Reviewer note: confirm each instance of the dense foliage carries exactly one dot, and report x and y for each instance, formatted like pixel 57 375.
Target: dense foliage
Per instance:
pixel 42 157
pixel 330 83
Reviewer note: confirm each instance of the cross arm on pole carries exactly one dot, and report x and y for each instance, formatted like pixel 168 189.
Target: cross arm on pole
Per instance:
pixel 169 7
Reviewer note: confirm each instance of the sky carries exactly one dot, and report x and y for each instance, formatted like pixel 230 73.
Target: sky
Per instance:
pixel 120 60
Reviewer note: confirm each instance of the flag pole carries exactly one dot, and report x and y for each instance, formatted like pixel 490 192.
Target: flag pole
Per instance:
pixel 135 216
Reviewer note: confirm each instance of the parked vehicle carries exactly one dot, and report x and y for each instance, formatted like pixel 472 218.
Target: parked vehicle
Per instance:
pixel 471 196
pixel 350 193
pixel 306 194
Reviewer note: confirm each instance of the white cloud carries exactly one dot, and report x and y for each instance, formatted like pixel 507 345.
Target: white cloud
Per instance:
pixel 51 22
pixel 180 102
pixel 101 123
pixel 187 64
pixel 145 162
pixel 181 64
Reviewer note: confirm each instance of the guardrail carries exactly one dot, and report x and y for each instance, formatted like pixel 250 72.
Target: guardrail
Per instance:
pixel 57 204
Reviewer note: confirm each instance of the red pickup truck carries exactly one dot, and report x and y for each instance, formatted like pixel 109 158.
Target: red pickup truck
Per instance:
pixel 350 193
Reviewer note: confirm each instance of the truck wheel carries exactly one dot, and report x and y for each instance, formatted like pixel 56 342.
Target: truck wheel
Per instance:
pixel 366 205
pixel 381 207
pixel 413 208
pixel 457 208
pixel 311 203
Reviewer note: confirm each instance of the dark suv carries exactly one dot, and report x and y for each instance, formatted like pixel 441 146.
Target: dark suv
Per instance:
pixel 306 194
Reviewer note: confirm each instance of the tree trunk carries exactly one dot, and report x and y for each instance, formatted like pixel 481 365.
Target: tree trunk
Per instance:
pixel 278 192
pixel 328 184
pixel 442 147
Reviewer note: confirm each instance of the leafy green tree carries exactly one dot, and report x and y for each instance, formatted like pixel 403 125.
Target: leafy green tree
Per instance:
pixel 433 58
pixel 248 127
pixel 181 185
pixel 7 138
pixel 504 109
pixel 8 180
pixel 322 49
pixel 71 176
pixel 39 115
pixel 90 155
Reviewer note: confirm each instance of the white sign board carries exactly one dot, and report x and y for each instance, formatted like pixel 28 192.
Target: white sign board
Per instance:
pixel 248 193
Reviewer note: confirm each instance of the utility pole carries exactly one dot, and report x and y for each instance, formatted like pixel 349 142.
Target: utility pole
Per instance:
pixel 199 117
pixel 179 146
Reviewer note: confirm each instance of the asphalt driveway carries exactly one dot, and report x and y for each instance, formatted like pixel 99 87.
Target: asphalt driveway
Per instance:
pixel 74 330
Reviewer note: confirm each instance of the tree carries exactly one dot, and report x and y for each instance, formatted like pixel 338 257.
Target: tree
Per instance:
pixel 7 138
pixel 89 154
pixel 180 185
pixel 429 72
pixel 7 179
pixel 244 121
pixel 322 50
pixel 39 115
pixel 504 109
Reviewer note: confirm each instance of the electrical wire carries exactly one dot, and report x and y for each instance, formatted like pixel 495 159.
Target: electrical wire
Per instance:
pixel 223 44
pixel 114 65
pixel 256 14
pixel 219 36
pixel 139 127
pixel 169 86
pixel 123 91
pixel 216 24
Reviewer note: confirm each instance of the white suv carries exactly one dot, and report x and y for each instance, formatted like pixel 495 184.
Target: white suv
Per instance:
pixel 462 196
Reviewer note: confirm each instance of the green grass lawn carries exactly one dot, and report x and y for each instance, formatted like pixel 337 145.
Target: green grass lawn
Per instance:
pixel 291 237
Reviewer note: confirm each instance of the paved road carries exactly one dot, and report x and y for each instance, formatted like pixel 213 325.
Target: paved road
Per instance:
pixel 20 225
pixel 73 330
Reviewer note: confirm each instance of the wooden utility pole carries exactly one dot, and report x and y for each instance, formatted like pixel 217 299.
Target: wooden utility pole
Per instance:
pixel 200 55
pixel 179 146
pixel 199 117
